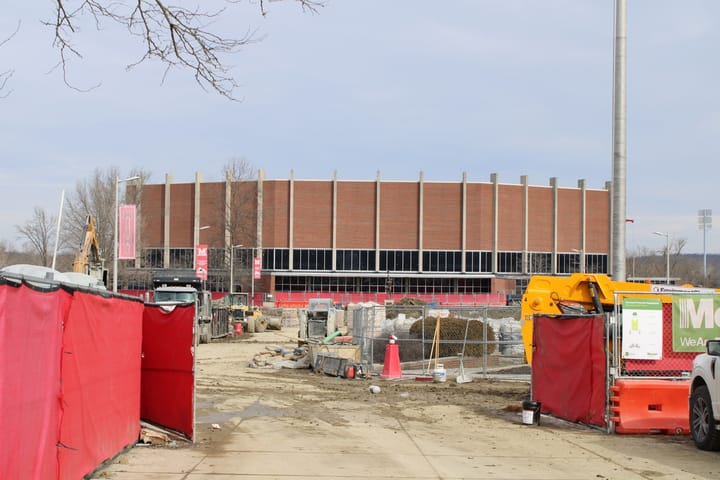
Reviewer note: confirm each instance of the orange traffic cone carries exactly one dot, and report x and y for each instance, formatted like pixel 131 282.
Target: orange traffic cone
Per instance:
pixel 391 366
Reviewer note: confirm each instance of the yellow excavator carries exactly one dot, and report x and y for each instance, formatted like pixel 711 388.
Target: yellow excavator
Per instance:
pixel 88 259
pixel 581 293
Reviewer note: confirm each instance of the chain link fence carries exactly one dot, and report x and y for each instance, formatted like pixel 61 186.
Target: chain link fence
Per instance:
pixel 646 341
pixel 487 338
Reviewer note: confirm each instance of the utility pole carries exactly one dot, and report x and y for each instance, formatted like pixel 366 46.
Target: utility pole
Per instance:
pixel 705 223
pixel 619 144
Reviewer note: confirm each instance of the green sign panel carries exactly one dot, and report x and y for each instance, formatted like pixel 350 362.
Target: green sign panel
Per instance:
pixel 695 318
pixel 642 329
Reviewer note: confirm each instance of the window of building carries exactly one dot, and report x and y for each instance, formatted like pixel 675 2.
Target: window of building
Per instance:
pixel 442 261
pixel 355 260
pixel 509 262
pixel 399 261
pixel 539 262
pixel 276 259
pixel 181 257
pixel 478 261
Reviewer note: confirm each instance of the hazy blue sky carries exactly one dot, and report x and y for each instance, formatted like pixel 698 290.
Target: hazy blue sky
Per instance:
pixel 478 86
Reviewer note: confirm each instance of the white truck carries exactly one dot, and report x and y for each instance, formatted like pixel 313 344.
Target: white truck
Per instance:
pixel 172 287
pixel 704 400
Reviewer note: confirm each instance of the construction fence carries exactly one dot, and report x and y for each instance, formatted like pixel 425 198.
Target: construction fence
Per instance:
pixel 658 337
pixel 627 370
pixel 487 338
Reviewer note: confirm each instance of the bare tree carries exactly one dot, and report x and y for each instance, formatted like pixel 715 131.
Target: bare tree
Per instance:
pixel 6 75
pixel 239 211
pixel 38 234
pixel 93 196
pixel 5 254
pixel 175 35
pixel 96 196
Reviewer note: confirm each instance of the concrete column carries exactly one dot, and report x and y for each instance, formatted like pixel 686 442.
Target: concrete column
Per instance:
pixel 227 226
pixel 583 223
pixel 553 261
pixel 526 224
pixel 495 219
pixel 377 221
pixel 166 223
pixel 421 201
pixel 463 231
pixel 334 219
pixel 291 220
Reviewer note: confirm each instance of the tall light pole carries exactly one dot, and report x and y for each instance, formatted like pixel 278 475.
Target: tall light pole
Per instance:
pixel 115 239
pixel 232 266
pixel 619 165
pixel 705 223
pixel 667 254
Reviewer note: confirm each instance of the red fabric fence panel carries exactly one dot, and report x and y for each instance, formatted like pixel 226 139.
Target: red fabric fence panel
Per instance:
pixel 569 367
pixel 168 382
pixel 101 382
pixel 30 339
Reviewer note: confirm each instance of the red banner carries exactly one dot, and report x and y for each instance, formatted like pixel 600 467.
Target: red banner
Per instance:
pixel 257 268
pixel 126 232
pixel 201 261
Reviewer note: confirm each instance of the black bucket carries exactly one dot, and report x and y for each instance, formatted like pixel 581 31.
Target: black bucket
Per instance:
pixel 531 412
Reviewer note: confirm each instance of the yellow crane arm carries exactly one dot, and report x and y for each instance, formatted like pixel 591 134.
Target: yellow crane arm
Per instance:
pixel 89 250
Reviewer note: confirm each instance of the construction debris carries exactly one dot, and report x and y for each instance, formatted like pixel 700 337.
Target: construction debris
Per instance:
pixel 278 357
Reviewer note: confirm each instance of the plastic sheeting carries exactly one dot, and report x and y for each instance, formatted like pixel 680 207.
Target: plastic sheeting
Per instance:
pixel 101 382
pixel 69 380
pixel 569 367
pixel 168 383
pixel 30 339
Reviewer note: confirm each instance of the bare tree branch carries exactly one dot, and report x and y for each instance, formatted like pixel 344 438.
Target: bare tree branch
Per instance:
pixel 38 234
pixel 175 35
pixel 7 74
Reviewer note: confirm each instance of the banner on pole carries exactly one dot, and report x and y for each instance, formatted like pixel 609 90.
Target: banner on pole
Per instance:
pixel 126 232
pixel 201 261
pixel 257 268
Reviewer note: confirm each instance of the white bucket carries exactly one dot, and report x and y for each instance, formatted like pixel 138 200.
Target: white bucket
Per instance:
pixel 531 413
pixel 439 374
pixel 527 417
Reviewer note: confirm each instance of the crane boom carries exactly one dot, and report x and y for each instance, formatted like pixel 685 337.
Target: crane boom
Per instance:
pixel 88 259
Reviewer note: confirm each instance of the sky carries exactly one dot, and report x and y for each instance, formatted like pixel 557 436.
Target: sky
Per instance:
pixel 512 87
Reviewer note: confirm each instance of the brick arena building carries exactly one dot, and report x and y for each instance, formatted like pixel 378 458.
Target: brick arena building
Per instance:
pixel 464 241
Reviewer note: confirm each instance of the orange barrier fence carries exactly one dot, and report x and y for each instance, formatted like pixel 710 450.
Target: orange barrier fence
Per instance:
pixel 650 406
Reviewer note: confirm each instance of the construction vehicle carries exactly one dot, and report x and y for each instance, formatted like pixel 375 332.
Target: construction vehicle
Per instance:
pixel 318 320
pixel 234 307
pixel 173 287
pixel 89 260
pixel 578 294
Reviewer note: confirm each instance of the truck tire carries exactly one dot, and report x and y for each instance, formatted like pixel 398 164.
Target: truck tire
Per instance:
pixel 702 422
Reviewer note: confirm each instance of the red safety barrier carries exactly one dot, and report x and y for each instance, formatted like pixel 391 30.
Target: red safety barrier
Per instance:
pixel 650 406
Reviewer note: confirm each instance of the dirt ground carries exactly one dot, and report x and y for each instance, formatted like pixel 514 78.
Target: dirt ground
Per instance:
pixel 485 412
pixel 217 391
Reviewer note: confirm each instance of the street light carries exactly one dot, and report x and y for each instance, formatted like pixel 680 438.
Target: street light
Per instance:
pixel 117 206
pixel 667 254
pixel 232 266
